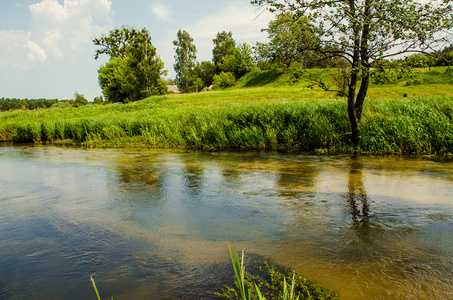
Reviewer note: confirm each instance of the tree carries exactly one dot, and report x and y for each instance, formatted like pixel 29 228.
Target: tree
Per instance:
pixel 98 100
pixel 185 61
pixel 224 45
pixel 134 70
pixel 363 31
pixel 292 39
pixel 120 41
pixel 238 62
pixel 229 58
pixel 79 100
pixel 206 71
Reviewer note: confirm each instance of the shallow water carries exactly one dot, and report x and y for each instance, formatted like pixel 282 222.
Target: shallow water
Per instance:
pixel 148 224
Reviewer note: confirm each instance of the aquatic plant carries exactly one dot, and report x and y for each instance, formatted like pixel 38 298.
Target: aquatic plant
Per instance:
pixel 95 288
pixel 282 286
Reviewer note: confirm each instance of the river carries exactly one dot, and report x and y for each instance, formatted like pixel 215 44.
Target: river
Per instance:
pixel 153 224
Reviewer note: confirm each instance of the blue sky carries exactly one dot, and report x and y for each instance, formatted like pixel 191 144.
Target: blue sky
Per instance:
pixel 46 49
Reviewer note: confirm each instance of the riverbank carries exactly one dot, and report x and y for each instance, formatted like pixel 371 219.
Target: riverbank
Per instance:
pixel 291 117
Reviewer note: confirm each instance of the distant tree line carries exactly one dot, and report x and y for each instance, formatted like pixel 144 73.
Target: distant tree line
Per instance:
pixel 29 104
pixel 32 104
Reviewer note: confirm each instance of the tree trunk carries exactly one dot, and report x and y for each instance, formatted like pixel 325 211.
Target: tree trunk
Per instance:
pixel 360 60
pixel 362 94
pixel 352 111
pixel 365 60
pixel 354 78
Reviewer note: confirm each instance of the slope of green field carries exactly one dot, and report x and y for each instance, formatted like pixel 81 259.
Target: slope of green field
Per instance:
pixel 264 111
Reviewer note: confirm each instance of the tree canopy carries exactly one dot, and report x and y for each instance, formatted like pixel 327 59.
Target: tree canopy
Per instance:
pixel 185 62
pixel 134 70
pixel 224 45
pixel 292 39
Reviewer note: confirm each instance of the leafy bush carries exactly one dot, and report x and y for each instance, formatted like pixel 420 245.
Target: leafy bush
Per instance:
pixel 224 80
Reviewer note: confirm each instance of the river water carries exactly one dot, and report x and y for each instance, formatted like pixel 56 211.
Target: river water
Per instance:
pixel 152 224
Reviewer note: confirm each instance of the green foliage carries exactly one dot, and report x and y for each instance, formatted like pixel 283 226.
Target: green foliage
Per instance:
pixel 292 39
pixel 118 82
pixel 31 104
pixel 98 100
pixel 134 70
pixel 120 42
pixel 419 61
pixel 186 75
pixel 238 62
pixel 224 80
pixel 229 58
pixel 205 71
pixel 408 126
pixel 224 45
pixel 64 104
pixel 79 100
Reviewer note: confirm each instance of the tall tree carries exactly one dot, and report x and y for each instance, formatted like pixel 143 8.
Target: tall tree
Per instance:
pixel 363 31
pixel 134 71
pixel 224 45
pixel 185 62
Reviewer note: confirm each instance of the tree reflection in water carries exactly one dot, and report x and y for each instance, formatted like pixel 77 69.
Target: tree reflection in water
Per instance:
pixel 358 200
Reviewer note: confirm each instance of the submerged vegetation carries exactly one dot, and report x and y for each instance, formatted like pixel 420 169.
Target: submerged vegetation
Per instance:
pixel 273 285
pixel 277 286
pixel 287 113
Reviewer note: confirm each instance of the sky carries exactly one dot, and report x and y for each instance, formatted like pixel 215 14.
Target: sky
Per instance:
pixel 46 48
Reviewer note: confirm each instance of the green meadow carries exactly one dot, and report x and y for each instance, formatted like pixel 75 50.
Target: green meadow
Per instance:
pixel 265 110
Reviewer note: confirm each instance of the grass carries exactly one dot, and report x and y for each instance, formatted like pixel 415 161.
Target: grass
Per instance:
pixel 282 114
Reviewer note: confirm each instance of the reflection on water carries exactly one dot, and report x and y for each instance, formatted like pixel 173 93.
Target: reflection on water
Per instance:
pixel 152 224
pixel 358 199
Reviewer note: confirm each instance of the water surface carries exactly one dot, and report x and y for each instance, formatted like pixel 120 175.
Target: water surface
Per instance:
pixel 151 224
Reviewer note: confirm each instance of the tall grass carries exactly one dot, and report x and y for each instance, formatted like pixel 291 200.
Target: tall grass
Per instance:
pixel 420 125
pixel 253 118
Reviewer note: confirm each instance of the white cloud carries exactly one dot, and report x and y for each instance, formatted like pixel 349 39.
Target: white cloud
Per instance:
pixel 161 11
pixel 59 32
pixel 63 30
pixel 35 52
pixel 20 52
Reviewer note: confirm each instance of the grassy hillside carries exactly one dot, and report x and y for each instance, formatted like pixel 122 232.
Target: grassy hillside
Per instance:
pixel 266 110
